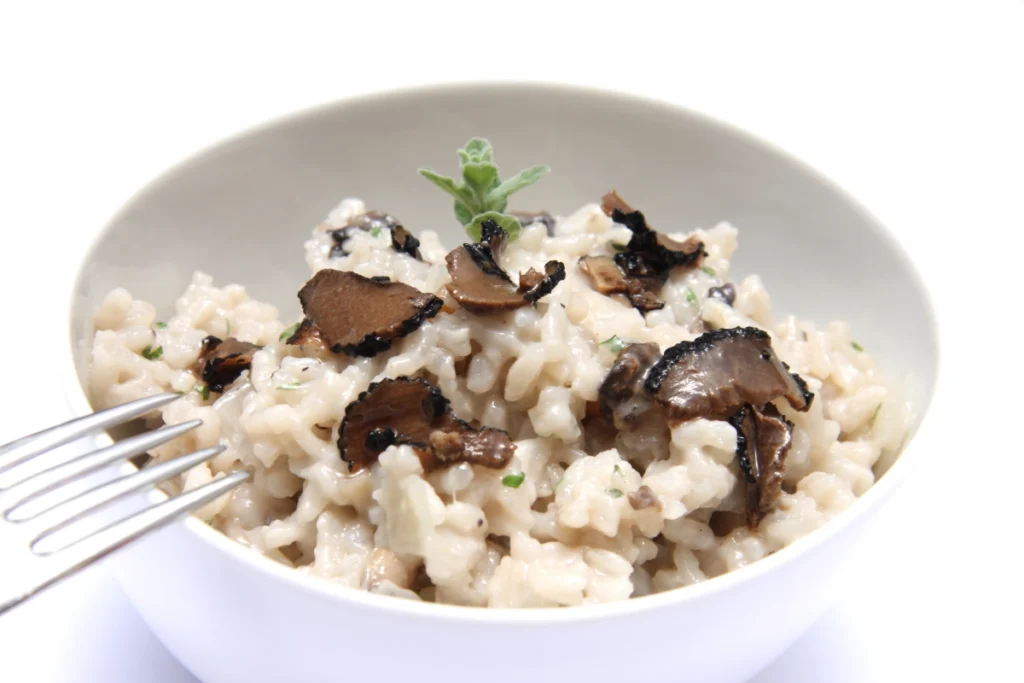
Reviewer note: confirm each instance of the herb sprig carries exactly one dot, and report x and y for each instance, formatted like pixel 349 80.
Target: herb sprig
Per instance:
pixel 483 195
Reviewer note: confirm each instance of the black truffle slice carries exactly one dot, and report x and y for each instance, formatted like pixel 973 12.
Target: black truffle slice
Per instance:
pixel 621 395
pixel 649 253
pixel 415 413
pixel 480 285
pixel 402 240
pixel 360 316
pixel 763 438
pixel 607 278
pixel 221 362
pixel 715 374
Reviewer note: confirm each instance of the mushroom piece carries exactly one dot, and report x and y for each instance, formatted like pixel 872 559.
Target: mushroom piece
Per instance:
pixel 360 316
pixel 607 278
pixel 414 412
pixel 724 522
pixel 715 374
pixel 527 218
pixel 763 438
pixel 480 285
pixel 621 395
pixel 649 253
pixel 402 240
pixel 222 361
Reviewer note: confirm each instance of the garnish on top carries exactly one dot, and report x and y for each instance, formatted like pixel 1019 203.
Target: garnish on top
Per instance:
pixel 483 195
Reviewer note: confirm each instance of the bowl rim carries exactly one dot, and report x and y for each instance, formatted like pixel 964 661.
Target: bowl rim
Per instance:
pixel 75 395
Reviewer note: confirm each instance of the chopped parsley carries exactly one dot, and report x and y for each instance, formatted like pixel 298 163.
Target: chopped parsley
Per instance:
pixel 615 493
pixel 204 391
pixel 619 247
pixel 149 353
pixel 160 325
pixel 613 343
pixel 709 270
pixel 874 415
pixel 617 470
pixel 513 481
pixel 691 297
pixel 375 232
pixel 288 332
pixel 856 347
pixel 288 386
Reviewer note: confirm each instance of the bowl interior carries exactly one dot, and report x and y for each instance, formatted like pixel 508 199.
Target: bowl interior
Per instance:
pixel 241 210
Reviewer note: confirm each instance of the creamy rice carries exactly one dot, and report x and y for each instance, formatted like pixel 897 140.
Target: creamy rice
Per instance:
pixel 568 534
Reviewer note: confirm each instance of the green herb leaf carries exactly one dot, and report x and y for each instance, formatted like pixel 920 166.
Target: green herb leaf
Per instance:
pixel 204 391
pixel 709 270
pixel 615 493
pixel 149 353
pixel 481 190
pixel 619 247
pixel 613 343
pixel 289 331
pixel 449 186
pixel 617 470
pixel 874 416
pixel 375 232
pixel 513 481
pixel 524 178
pixel 160 325
pixel 691 297
pixel 289 386
pixel 509 224
pixel 476 151
pixel 856 347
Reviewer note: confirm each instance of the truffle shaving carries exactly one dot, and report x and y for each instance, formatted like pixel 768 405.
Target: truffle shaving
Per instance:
pixel 480 285
pixel 413 412
pixel 715 374
pixel 402 240
pixel 763 438
pixel 607 278
pixel 649 253
pixel 621 395
pixel 222 362
pixel 360 316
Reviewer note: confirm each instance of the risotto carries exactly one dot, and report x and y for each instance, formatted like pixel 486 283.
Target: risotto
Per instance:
pixel 624 418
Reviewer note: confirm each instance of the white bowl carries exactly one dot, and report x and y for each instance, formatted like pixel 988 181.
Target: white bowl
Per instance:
pixel 241 211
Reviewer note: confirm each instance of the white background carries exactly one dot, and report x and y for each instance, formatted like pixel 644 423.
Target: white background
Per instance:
pixel 914 107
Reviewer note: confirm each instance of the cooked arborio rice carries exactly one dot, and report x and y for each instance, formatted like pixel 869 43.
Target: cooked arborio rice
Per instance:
pixel 568 535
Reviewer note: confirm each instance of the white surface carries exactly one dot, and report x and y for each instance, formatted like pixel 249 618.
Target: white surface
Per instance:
pixel 916 109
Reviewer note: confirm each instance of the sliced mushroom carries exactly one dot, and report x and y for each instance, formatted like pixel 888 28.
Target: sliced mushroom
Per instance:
pixel 360 316
pixel 621 395
pixel 480 285
pixel 527 218
pixel 649 253
pixel 402 240
pixel 718 372
pixel 608 278
pixel 763 438
pixel 414 412
pixel 221 362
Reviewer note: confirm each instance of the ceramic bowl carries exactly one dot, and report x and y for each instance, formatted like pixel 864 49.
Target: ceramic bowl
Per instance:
pixel 241 210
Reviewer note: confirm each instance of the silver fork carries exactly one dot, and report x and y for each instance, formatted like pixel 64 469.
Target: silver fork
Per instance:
pixel 28 520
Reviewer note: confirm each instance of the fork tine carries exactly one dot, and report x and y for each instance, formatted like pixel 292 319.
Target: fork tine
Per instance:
pixel 49 479
pixel 101 543
pixel 17 452
pixel 59 515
